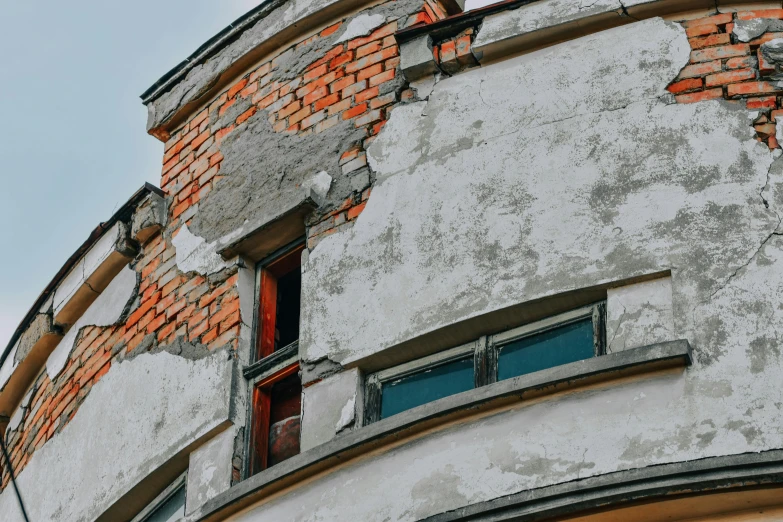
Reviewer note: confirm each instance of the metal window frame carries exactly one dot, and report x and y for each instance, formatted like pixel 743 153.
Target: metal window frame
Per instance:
pixel 265 371
pixel 172 489
pixel 485 350
pixel 596 312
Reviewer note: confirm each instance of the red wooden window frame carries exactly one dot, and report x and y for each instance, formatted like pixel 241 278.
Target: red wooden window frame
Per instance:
pixel 265 343
pixel 262 403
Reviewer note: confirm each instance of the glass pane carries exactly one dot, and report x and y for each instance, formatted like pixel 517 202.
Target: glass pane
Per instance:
pixel 426 386
pixel 573 342
pixel 172 510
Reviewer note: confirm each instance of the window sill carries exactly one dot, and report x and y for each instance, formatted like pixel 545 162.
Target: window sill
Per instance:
pixel 646 359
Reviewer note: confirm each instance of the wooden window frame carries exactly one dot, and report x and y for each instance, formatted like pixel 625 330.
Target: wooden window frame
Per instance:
pixel 485 352
pixel 269 366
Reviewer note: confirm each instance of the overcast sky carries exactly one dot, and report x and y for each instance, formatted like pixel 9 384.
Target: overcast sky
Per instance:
pixel 73 147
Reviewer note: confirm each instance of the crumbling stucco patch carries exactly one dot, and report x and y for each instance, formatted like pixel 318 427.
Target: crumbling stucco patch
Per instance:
pixel 267 175
pixel 194 254
pixel 138 416
pixel 108 309
pixel 361 25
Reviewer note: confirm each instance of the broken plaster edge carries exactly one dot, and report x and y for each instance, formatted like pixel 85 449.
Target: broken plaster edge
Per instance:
pixel 671 354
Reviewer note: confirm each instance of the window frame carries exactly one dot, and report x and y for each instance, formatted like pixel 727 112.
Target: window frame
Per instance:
pixel 486 351
pixel 268 367
pixel 180 483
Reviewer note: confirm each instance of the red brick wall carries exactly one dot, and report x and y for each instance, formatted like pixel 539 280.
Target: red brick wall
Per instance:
pixel 341 85
pixel 721 67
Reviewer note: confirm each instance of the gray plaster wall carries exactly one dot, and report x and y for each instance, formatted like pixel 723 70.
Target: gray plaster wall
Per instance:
pixel 582 173
pixel 330 407
pixel 137 417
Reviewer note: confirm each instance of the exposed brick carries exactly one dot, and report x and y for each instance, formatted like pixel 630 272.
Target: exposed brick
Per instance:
pixel 694 97
pixel 730 77
pixel 342 83
pixel 710 41
pixel 241 84
pixel 312 119
pixel 742 89
pixel 340 60
pixel 719 19
pixel 327 124
pixel 717 53
pixel 354 212
pixel 299 115
pixel 368 118
pixel 327 101
pixel 246 115
pixel 383 77
pixel 330 30
pixel 317 94
pixel 354 111
pixel 368 49
pixel 315 73
pixel 369 71
pixel 366 94
pixel 384 100
pixel 760 13
pixel 741 62
pixel 701 30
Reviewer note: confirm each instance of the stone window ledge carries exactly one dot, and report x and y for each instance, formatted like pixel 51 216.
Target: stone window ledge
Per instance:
pixel 642 360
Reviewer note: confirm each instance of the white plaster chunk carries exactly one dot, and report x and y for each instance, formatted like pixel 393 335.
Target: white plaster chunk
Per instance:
pixel 362 25
pixel 329 407
pixel 138 416
pixel 319 184
pixel 104 311
pixel 210 469
pixel 9 365
pixel 194 254
pixel 536 16
pixel 18 415
pixel 639 315
pixel 747 30
pixel 347 415
pixel 68 286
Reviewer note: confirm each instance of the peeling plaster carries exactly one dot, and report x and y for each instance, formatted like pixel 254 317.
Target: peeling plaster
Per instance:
pixel 194 254
pixel 362 25
pixel 639 315
pixel 138 416
pixel 107 310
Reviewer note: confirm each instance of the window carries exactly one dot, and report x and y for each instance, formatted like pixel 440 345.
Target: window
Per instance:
pixel 569 337
pixel 274 377
pixel 169 506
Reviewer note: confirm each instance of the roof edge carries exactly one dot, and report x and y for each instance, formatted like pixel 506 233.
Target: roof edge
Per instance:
pixel 96 233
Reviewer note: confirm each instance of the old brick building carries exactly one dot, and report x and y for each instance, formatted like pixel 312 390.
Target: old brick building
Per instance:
pixel 413 263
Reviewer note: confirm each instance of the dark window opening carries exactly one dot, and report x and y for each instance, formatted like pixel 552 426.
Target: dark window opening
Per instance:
pixel 277 391
pixel 279 302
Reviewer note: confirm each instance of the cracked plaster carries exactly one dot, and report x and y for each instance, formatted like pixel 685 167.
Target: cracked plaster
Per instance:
pixel 138 416
pixel 582 174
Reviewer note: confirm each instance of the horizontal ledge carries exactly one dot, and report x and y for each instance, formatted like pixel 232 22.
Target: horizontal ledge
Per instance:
pixel 743 471
pixel 353 444
pixel 279 357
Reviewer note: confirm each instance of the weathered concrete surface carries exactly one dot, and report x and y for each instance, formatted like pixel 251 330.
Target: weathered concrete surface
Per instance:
pixel 108 309
pixel 639 315
pixel 137 417
pixel 416 58
pixel 504 27
pixel 92 273
pixel 149 218
pixel 209 472
pixel 266 174
pixel 329 407
pixel 581 175
pixel 361 25
pixel 747 30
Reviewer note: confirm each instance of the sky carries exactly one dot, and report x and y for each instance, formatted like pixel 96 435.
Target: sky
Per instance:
pixel 74 145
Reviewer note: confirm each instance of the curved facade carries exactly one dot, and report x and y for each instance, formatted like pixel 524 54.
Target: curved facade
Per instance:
pixel 407 263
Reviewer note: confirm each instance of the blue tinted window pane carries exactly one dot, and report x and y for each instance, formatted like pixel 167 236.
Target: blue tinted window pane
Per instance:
pixel 573 342
pixel 426 386
pixel 172 510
